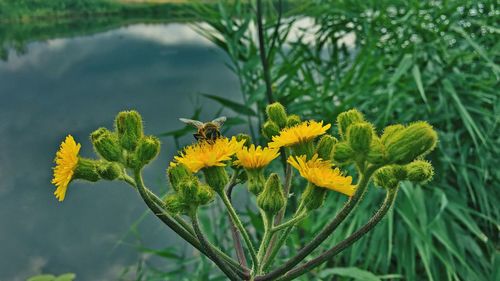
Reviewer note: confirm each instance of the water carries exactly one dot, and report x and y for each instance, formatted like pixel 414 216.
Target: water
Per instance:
pixel 75 85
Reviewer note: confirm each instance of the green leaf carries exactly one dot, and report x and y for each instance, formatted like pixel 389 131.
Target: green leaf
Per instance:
pixel 42 277
pixel 352 272
pixel 66 277
pixel 234 106
pixel 418 80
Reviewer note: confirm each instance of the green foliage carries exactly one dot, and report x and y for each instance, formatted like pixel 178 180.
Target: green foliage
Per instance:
pixel 50 277
pixel 396 61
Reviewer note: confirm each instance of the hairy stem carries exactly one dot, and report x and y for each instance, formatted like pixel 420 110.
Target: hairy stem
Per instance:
pixel 374 220
pixel 238 247
pixel 268 225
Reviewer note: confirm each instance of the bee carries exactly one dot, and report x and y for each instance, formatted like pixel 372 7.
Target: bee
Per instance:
pixel 208 131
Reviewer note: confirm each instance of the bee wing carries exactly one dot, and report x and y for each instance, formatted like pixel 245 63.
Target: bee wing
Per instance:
pixel 219 121
pixel 195 123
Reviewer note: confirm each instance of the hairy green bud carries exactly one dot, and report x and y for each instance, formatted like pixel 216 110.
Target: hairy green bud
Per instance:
pixel 176 174
pixel 359 137
pixel 86 169
pixel 385 177
pixel 342 153
pixel 272 199
pixel 324 148
pixel 277 113
pixel 416 140
pixel 346 119
pixel 293 120
pixel 419 171
pixel 247 138
pixel 107 145
pixel 314 197
pixel 256 180
pixel 174 204
pixel 205 194
pixel 188 189
pixel 129 127
pixel 109 170
pixel 148 149
pixel 390 131
pixel 377 154
pixel 270 129
pixel 216 178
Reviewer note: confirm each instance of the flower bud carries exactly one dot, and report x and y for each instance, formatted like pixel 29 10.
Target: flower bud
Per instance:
pixel 390 131
pixel 129 127
pixel 188 189
pixel 109 170
pixel 342 153
pixel 107 145
pixel 147 149
pixel 324 148
pixel 245 137
pixel 174 205
pixel 216 178
pixel 270 129
pixel 276 113
pixel 345 119
pixel 176 174
pixel 293 120
pixel 377 154
pixel 256 180
pixel 205 194
pixel 419 171
pixel 385 178
pixel 359 136
pixel 313 197
pixel 410 143
pixel 272 199
pixel 86 169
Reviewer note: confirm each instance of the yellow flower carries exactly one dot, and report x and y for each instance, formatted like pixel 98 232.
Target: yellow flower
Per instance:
pixel 204 154
pixel 300 133
pixel 66 162
pixel 321 173
pixel 255 158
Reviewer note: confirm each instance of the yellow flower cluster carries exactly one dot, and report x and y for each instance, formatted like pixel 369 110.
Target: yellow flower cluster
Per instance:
pixel 66 161
pixel 321 173
pixel 300 133
pixel 255 157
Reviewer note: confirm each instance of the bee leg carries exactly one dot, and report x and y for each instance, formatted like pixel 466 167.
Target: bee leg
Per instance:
pixel 197 136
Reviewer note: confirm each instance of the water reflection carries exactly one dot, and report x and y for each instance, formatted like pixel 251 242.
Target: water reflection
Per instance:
pixel 74 86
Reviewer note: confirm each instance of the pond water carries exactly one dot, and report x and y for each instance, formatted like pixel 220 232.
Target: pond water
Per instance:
pixel 73 86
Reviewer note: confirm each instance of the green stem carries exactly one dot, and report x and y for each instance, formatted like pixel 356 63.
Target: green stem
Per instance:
pixel 268 225
pixel 374 220
pixel 209 248
pixel 290 222
pixel 234 217
pixel 327 230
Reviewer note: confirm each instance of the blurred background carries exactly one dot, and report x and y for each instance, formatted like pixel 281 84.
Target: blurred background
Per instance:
pixel 67 67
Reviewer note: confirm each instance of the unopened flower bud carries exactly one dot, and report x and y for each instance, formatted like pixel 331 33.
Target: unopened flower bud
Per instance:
pixel 272 199
pixel 270 129
pixel 216 178
pixel 255 180
pixel 377 154
pixel 174 205
pixel 314 197
pixel 188 188
pixel 324 148
pixel 359 136
pixel 129 128
pixel 277 113
pixel 107 144
pixel 390 131
pixel 109 170
pixel 293 120
pixel 419 171
pixel 385 178
pixel 205 194
pixel 245 137
pixel 410 143
pixel 176 174
pixel 147 149
pixel 342 153
pixel 86 169
pixel 346 119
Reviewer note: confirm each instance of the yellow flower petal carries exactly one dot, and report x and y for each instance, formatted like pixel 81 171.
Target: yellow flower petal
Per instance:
pixel 321 173
pixel 255 157
pixel 300 133
pixel 208 154
pixel 66 161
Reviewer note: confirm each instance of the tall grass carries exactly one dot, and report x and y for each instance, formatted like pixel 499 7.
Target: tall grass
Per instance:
pixel 410 60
